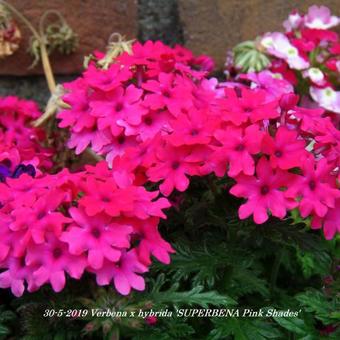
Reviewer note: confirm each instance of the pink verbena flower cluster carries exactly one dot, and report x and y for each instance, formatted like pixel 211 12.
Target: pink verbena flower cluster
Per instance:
pixel 66 223
pixel 282 156
pixel 20 142
pixel 158 120
pixel 308 54
pixel 132 100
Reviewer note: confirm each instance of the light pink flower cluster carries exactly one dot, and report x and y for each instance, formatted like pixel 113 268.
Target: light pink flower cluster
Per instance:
pixel 65 224
pixel 20 142
pixel 282 156
pixel 273 83
pixel 133 99
pixel 309 48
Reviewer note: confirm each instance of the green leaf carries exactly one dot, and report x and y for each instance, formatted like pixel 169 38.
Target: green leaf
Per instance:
pixel 295 325
pixel 243 329
pixel 195 296
pixel 4 330
pixel 325 309
pixel 248 281
pixel 248 58
pixel 167 329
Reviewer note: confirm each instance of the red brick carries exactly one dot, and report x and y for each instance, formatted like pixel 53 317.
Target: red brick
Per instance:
pixel 92 20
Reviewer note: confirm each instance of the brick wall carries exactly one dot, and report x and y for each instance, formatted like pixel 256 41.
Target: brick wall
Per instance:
pixel 206 26
pixel 212 26
pixel 92 20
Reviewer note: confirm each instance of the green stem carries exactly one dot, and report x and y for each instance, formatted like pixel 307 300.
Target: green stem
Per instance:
pixel 114 335
pixel 44 55
pixel 275 270
pixel 212 185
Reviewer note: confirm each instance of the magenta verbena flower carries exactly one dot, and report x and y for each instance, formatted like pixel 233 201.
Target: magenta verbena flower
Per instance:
pixel 264 192
pixel 20 142
pixel 132 101
pixel 160 121
pixel 72 223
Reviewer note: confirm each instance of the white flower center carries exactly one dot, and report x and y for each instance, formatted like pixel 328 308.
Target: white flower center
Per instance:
pixel 315 74
pixel 292 52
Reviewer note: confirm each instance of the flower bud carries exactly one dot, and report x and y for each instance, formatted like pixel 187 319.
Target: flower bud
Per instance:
pixel 203 63
pixel 288 101
pixel 151 320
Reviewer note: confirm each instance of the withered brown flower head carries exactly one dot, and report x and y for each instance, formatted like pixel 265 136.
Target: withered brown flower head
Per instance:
pixel 10 35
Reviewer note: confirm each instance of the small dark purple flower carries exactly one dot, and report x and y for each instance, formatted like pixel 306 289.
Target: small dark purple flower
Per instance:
pixel 4 172
pixel 24 169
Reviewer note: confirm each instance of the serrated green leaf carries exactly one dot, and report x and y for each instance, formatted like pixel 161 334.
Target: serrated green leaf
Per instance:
pixel 195 296
pixel 4 330
pixel 244 329
pixel 325 309
pixel 295 325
